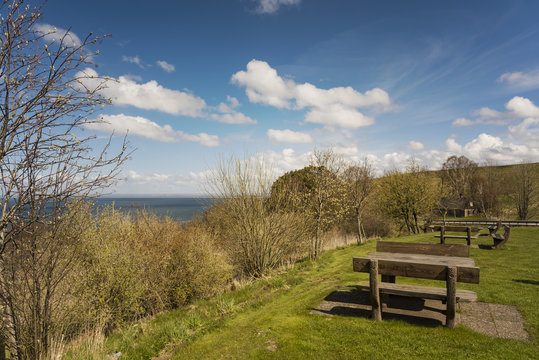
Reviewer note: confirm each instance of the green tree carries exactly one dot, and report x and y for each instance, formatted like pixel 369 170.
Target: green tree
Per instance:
pixel 316 191
pixel 407 196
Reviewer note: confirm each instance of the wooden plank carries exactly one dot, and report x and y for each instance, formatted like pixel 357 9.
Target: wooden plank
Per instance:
pixel 424 259
pixel 451 285
pixel 456 228
pixel 375 294
pixel 427 249
pixel 458 236
pixel 426 292
pixel 419 268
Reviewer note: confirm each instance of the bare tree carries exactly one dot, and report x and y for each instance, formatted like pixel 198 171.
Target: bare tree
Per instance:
pixel 256 236
pixel 485 189
pixel 525 188
pixel 359 179
pixel 45 167
pixel 457 172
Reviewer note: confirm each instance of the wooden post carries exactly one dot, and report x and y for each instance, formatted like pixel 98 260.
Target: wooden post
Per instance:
pixel 469 235
pixel 375 293
pixel 451 296
pixel 442 234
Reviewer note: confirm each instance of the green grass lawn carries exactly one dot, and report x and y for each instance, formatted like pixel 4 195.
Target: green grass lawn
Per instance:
pixel 271 318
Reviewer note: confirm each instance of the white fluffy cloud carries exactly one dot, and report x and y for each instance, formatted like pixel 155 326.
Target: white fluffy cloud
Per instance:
pixel 518 107
pixel 463 122
pixel 148 96
pixel 286 160
pixel 522 107
pixel 518 78
pixel 140 126
pixel 488 147
pixel 125 90
pixel 289 136
pixel 53 34
pixel 336 106
pixel 166 66
pixel 133 60
pixel 147 178
pixel 486 112
pixel 338 115
pixel 227 114
pixel 137 182
pixel 527 130
pixel 416 145
pixel 271 6
pixel 522 142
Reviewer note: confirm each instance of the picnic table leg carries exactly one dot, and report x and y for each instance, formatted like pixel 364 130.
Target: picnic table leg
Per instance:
pixel 375 293
pixel 451 296
pixel 442 234
pixel 469 235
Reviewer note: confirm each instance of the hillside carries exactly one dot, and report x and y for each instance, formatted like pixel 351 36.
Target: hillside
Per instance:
pixel 271 318
pixel 503 177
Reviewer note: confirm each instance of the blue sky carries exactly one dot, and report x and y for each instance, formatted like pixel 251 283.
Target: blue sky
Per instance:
pixel 383 80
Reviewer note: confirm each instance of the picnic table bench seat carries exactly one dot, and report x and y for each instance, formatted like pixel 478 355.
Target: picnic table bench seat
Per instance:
pixel 424 292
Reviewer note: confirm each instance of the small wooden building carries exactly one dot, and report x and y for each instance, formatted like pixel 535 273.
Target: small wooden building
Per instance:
pixel 461 207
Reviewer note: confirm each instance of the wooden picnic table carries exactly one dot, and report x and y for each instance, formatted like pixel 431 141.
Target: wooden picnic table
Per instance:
pixel 471 232
pixel 451 269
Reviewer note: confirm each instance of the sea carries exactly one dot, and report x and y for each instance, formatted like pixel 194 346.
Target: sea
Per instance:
pixel 177 208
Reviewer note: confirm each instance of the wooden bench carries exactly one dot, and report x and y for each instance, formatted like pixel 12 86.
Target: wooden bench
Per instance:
pixel 447 262
pixel 466 229
pixel 499 239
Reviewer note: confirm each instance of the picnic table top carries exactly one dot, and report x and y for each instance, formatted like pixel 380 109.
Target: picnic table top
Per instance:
pixel 457 261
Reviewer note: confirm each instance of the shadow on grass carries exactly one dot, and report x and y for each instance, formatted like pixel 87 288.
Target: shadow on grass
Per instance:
pixel 524 281
pixel 356 303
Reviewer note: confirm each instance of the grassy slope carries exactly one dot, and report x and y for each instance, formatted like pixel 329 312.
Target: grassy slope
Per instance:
pixel 271 318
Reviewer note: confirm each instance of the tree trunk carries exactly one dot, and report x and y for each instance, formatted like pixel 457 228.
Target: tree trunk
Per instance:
pixel 359 235
pixel 317 237
pixel 10 329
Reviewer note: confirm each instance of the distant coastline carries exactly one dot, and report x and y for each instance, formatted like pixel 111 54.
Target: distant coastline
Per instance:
pixel 155 196
pixel 179 208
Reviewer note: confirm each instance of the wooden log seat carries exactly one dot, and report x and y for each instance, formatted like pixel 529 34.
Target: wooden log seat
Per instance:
pixel 499 239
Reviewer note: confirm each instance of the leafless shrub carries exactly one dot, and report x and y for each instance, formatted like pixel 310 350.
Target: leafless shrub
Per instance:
pixel 257 236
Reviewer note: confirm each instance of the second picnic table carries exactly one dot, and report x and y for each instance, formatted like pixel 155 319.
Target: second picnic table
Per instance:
pixel 471 233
